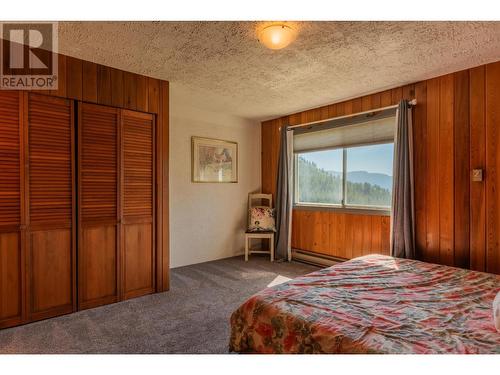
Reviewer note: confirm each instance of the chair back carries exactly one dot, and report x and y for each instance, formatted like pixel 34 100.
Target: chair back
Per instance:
pixel 262 198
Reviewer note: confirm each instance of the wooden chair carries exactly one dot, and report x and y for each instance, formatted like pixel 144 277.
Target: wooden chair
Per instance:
pixel 259 235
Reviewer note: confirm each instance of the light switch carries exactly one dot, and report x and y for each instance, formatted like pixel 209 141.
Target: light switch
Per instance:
pixel 477 175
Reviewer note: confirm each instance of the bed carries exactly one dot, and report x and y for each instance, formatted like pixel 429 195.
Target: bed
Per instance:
pixel 372 304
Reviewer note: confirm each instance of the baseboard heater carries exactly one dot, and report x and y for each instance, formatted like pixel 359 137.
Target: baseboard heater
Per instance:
pixel 315 258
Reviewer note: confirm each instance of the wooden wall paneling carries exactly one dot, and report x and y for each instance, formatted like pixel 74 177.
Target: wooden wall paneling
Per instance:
pixel 141 93
pixel 270 154
pixel 307 236
pixel 138 203
pixel 385 229
pixel 299 228
pixel 89 82
pixel 326 232
pixel 277 128
pixel 332 112
pixel 74 78
pixel 315 229
pixel 292 119
pixel 61 78
pixel 51 251
pixel 455 131
pixel 321 231
pixel 461 185
pixel 324 112
pixel 356 106
pixel 432 178
pixel 408 92
pixel 348 107
pixel 376 232
pixel 117 92
pixel 343 248
pixel 366 103
pixel 153 95
pixel 357 235
pixel 478 161
pixel 337 235
pixel 130 90
pixel 104 85
pixel 366 245
pixel 340 109
pixel 341 235
pixel 492 81
pixel 99 213
pixel 396 95
pixel 265 160
pixel 375 101
pixel 12 212
pixel 446 171
pixel 294 229
pixel 349 235
pixel 420 168
pixel 385 98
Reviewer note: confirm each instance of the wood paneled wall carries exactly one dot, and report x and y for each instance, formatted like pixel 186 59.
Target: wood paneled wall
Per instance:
pixel 455 131
pixel 340 235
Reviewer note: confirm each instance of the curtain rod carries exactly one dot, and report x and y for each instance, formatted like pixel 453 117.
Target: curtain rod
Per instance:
pixel 412 103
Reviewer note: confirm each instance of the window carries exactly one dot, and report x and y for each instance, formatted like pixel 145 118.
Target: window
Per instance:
pixel 320 177
pixel 369 175
pixel 346 161
pixel 353 177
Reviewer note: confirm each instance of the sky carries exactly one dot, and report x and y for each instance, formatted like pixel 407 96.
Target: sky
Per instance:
pixel 375 159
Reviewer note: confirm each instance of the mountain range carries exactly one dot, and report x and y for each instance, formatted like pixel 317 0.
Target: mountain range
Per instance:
pixel 380 179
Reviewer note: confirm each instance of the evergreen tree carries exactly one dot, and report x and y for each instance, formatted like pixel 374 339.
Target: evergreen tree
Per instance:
pixel 319 186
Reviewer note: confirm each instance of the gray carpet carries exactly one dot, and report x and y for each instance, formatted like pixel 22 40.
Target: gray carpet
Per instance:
pixel 193 317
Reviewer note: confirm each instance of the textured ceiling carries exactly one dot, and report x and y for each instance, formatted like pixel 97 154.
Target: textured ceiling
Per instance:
pixel 225 68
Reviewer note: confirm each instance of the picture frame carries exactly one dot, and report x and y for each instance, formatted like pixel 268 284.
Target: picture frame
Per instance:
pixel 213 160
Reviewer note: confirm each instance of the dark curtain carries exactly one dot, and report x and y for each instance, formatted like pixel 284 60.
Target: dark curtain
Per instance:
pixel 284 197
pixel 403 212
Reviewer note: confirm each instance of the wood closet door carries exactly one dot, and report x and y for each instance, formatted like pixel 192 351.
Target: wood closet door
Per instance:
pixel 138 197
pixel 11 209
pixel 50 199
pixel 99 211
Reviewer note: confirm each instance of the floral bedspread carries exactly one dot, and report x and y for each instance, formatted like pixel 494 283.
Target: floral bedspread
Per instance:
pixel 372 304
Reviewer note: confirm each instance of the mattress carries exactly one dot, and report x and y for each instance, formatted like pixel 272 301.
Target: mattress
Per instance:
pixel 372 304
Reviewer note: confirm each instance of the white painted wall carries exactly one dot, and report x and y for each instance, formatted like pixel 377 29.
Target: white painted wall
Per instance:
pixel 207 221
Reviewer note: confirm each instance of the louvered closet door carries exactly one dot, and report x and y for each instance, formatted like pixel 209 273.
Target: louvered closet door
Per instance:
pixel 138 163
pixel 11 192
pixel 51 255
pixel 98 158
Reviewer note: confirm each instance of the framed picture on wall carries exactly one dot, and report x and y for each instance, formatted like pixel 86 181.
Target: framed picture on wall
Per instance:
pixel 214 160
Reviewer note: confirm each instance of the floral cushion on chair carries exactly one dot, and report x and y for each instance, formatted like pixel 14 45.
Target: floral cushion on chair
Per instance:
pixel 261 219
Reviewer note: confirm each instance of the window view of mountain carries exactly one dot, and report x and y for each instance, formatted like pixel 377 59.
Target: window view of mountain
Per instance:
pixel 317 185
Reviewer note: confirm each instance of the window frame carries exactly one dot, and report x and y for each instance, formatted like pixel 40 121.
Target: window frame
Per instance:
pixel 342 207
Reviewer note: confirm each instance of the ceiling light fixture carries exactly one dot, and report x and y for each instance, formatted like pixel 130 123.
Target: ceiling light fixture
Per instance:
pixel 277 36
